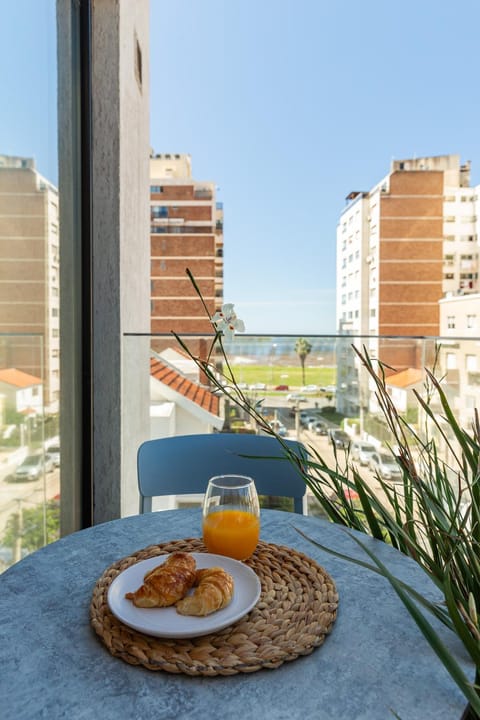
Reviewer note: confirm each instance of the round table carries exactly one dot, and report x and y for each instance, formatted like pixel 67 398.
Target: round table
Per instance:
pixel 374 663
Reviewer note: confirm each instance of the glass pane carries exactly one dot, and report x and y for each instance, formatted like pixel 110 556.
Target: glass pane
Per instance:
pixel 29 281
pixel 329 402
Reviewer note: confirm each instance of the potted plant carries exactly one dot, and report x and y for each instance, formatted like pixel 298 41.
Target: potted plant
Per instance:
pixel 433 515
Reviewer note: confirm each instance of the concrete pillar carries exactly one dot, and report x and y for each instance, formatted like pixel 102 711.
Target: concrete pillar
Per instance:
pixel 121 249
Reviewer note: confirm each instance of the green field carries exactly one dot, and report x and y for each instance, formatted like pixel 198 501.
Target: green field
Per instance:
pixel 290 375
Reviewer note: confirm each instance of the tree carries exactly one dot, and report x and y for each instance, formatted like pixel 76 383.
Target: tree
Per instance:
pixel 32 524
pixel 303 348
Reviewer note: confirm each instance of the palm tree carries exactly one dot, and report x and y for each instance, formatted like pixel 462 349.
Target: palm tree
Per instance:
pixel 302 348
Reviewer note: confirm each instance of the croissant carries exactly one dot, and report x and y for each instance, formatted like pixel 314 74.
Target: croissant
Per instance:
pixel 166 583
pixel 214 591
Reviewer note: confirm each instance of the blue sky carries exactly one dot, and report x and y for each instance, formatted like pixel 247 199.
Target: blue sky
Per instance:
pixel 287 105
pixel 28 81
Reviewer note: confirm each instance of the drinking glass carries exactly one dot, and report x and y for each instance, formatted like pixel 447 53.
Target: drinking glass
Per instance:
pixel 231 516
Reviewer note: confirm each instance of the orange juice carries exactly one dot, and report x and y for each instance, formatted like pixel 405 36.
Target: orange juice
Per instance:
pixel 231 532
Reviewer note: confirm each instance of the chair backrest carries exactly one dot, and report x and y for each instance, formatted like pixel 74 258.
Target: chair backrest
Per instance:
pixel 183 464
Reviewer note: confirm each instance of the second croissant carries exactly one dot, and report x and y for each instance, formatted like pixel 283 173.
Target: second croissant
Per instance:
pixel 214 591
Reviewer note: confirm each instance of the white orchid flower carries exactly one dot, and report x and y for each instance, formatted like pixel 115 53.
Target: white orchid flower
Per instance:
pixel 227 322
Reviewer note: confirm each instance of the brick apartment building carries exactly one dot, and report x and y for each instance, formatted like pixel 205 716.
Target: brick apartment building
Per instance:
pixel 29 279
pixel 186 231
pixel 400 247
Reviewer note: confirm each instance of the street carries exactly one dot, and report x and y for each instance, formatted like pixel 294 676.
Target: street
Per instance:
pixel 16 495
pixel 322 444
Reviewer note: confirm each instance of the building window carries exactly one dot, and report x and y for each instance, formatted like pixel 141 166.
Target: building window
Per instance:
pixel 159 211
pixel 448 276
pixel 450 322
pixel 156 189
pixel 451 360
pixel 471 321
pixel 471 363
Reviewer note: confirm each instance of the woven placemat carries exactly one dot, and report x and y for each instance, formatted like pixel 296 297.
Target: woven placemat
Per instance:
pixel 296 610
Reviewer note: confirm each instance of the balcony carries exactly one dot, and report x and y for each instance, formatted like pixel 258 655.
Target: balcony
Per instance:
pixel 203 194
pixel 332 387
pixel 175 229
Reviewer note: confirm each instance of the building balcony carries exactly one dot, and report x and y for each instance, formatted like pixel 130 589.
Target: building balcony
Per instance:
pixel 203 194
pixel 172 229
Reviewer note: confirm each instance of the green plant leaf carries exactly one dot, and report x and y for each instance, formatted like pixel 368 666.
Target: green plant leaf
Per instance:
pixel 429 632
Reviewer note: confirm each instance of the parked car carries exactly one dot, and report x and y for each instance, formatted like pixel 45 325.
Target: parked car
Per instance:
pixel 319 428
pixel 279 428
pixel 33 467
pixel 362 451
pixel 310 389
pixel 54 452
pixel 258 386
pixel 340 438
pixel 296 397
pixel 385 466
pixel 281 387
pixel 312 421
pixel 306 419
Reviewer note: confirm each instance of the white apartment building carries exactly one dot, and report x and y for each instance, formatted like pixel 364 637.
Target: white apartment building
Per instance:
pixel 400 247
pixel 460 353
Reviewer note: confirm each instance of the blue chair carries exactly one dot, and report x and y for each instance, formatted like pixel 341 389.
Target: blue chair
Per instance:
pixel 184 464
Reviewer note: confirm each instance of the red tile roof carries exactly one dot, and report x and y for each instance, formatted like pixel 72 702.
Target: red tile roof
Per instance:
pixel 18 378
pixel 406 378
pixel 179 383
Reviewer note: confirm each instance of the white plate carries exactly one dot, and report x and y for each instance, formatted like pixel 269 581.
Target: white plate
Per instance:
pixel 166 622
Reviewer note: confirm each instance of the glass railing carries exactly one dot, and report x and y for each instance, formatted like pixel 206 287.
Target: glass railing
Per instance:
pixel 323 396
pixel 29 448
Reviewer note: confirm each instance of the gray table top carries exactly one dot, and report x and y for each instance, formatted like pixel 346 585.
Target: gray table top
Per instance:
pixel 374 664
